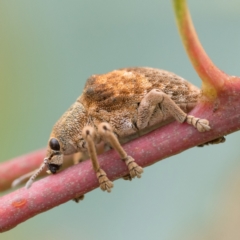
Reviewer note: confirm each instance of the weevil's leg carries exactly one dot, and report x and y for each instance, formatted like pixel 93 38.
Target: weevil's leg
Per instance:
pixel 156 96
pixel 214 141
pixel 105 131
pixel 77 199
pixel 202 125
pixel 89 135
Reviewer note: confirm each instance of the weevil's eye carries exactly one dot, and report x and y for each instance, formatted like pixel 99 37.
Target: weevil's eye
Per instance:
pixel 54 144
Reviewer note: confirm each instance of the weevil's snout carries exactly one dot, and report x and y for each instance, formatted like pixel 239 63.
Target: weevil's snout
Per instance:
pixel 54 162
pixel 53 168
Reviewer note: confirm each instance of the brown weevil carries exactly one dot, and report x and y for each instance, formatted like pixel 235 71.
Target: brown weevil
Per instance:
pixel 115 108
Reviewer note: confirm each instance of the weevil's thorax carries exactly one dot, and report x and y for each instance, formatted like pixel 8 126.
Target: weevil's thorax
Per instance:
pixel 68 129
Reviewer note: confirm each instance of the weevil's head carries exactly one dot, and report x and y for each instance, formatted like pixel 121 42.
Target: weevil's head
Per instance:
pixel 58 146
pixel 61 143
pixel 65 139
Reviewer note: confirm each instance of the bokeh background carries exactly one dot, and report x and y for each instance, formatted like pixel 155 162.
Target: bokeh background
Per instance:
pixel 47 51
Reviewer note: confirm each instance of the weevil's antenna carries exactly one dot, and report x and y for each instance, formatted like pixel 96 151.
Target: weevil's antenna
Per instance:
pixel 36 173
pixel 21 179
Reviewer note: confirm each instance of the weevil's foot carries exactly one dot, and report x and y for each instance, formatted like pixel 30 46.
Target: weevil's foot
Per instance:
pixel 134 169
pixel 202 125
pixel 77 199
pixel 127 177
pixel 104 182
pixel 214 141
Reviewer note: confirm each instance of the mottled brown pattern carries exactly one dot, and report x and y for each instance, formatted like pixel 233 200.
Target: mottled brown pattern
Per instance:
pixel 178 88
pixel 124 87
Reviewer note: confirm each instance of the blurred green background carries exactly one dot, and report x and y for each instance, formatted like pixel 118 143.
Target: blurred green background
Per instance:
pixel 49 48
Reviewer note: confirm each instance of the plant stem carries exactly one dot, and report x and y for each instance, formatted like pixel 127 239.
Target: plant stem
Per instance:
pixel 172 139
pixel 213 78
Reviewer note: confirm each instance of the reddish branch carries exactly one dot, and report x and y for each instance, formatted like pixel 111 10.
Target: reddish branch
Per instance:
pixel 220 106
pixel 23 204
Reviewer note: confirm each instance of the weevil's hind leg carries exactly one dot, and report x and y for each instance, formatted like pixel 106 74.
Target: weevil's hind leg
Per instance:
pixel 105 131
pixel 156 96
pixel 214 141
pixel 89 136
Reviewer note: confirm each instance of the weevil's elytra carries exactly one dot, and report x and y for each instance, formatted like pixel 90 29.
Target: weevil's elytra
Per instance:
pixel 110 90
pixel 117 107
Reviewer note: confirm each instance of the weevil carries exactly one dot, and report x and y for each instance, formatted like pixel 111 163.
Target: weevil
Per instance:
pixel 115 108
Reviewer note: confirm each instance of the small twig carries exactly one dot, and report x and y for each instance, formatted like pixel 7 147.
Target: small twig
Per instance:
pixel 213 78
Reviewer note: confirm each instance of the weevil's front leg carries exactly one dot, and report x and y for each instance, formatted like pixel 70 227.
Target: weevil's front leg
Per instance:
pixel 89 136
pixel 156 96
pixel 105 131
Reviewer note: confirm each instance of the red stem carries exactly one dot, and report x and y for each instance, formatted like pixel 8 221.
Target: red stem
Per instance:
pixel 45 194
